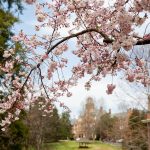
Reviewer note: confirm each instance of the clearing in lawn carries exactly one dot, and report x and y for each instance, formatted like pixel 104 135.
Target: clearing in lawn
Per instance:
pixel 72 145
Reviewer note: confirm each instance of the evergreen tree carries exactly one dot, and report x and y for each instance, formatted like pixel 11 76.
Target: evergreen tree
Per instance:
pixel 16 134
pixel 7 21
pixel 54 127
pixel 8 4
pixel 65 126
pixel 136 138
pixel 37 124
pixel 106 127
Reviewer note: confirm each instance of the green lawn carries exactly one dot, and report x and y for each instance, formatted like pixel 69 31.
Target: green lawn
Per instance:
pixel 72 145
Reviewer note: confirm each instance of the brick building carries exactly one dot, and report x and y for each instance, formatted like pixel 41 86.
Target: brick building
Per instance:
pixel 85 125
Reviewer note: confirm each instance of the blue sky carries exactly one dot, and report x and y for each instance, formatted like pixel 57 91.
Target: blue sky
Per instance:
pixel 98 90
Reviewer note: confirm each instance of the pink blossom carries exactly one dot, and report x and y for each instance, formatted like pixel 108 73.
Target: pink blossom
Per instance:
pixel 30 1
pixel 139 62
pixel 130 77
pixel 6 54
pixel 146 37
pixel 3 129
pixel 110 88
pixel 61 104
pixel 69 94
pixel 71 7
pixel 9 65
pixel 19 105
pixel 16 83
pixel 52 68
pixel 15 38
pixel 37 28
pixel 45 56
pixel 40 17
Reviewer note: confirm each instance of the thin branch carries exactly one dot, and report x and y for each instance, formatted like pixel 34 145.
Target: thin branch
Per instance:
pixel 27 78
pixel 42 82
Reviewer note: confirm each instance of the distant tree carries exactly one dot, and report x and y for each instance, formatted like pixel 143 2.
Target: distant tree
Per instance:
pixel 36 123
pixel 107 126
pixel 136 134
pixel 7 20
pixel 9 49
pixel 52 127
pixel 43 126
pixel 65 126
pixel 14 138
pixel 8 4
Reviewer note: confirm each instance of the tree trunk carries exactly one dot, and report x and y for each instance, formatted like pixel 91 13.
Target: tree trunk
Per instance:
pixel 148 136
pixel 148 125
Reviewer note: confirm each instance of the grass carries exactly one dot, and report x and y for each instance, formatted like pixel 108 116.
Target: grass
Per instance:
pixel 72 145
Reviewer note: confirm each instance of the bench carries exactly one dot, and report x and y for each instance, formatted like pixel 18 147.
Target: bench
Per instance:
pixel 83 143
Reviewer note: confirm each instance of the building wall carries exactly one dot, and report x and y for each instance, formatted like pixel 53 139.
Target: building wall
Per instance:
pixel 85 125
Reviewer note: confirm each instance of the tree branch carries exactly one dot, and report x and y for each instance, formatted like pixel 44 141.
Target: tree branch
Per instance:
pixel 106 38
pixel 42 82
pixel 27 78
pixel 143 42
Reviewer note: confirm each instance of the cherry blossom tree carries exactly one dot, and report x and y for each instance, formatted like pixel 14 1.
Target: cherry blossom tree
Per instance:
pixel 105 37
